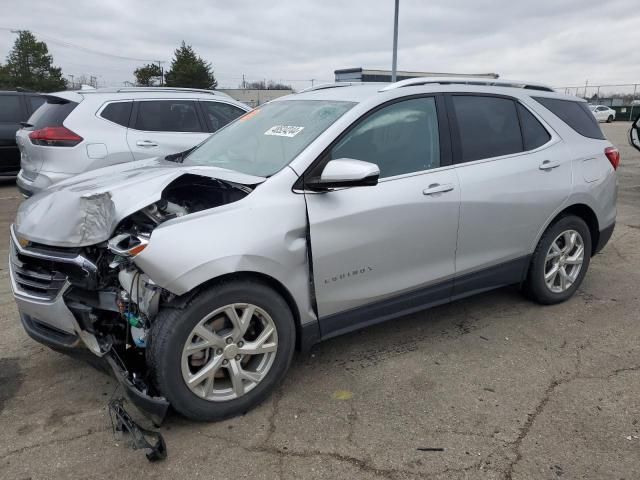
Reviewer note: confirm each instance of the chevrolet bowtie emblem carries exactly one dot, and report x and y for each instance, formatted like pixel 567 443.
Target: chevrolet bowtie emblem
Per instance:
pixel 24 243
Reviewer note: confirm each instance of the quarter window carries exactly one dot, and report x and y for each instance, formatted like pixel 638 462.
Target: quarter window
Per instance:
pixel 167 116
pixel 219 114
pixel 488 126
pixel 400 138
pixel 574 114
pixel 534 134
pixel 118 112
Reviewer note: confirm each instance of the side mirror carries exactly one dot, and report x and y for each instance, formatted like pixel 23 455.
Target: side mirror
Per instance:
pixel 345 172
pixel 634 134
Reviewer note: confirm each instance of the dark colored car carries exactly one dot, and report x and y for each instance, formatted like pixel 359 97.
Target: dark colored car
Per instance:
pixel 15 107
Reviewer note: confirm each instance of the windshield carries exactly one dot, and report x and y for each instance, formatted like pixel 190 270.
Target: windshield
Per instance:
pixel 268 138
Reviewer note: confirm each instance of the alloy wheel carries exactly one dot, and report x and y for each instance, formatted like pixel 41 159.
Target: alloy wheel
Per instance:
pixel 229 352
pixel 564 261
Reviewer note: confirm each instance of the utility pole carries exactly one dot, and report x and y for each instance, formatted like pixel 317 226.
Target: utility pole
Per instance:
pixel 244 84
pixel 73 85
pixel 394 63
pixel 312 80
pixel 161 72
pixel 635 88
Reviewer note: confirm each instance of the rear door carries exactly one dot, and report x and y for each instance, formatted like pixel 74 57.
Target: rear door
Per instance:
pixel 163 127
pixel 514 174
pixel 390 246
pixel 219 114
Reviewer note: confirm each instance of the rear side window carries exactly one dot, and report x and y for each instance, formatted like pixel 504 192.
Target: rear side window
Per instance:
pixel 118 112
pixel 219 114
pixel 574 114
pixel 167 116
pixel 534 134
pixel 51 114
pixel 10 111
pixel 488 126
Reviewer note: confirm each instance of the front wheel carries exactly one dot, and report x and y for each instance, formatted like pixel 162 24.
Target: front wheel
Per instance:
pixel 225 352
pixel 560 261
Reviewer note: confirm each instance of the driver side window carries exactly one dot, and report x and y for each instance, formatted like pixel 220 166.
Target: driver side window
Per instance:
pixel 400 138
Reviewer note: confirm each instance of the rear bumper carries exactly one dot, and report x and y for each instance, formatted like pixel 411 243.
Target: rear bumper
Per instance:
pixel 30 183
pixel 605 236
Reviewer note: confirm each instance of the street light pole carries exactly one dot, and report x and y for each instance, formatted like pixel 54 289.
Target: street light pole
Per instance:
pixel 394 64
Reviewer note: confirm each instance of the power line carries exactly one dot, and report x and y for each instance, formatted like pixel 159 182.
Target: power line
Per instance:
pixel 147 60
pixel 80 47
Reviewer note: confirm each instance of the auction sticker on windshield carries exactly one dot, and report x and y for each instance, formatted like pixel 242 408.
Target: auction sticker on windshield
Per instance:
pixel 284 131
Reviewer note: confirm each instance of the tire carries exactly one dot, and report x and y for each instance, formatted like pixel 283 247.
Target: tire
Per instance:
pixel 173 328
pixel 610 119
pixel 536 286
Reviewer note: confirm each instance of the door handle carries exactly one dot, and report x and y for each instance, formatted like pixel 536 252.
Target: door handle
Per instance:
pixel 437 188
pixel 548 165
pixel 146 143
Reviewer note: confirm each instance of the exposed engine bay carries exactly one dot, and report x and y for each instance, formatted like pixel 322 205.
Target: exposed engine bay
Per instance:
pixel 109 296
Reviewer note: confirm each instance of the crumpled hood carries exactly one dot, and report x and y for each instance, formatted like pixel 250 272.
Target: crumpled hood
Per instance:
pixel 85 210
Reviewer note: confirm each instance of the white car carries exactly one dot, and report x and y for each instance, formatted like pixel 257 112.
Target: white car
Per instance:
pixel 603 113
pixel 78 131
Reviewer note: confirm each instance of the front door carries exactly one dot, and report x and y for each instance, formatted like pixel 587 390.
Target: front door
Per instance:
pixel 394 242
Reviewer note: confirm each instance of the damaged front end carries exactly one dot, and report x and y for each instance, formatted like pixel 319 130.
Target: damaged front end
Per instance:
pixel 95 295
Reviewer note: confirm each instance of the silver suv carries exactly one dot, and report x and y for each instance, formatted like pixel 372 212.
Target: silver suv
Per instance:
pixel 77 131
pixel 311 216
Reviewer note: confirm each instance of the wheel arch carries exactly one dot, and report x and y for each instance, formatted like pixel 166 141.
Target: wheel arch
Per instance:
pixel 303 342
pixel 584 212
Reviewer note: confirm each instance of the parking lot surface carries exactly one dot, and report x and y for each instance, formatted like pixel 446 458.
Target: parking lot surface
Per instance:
pixel 486 388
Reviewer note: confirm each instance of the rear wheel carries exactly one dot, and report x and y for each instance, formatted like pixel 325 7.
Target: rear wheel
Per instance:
pixel 610 119
pixel 225 352
pixel 560 261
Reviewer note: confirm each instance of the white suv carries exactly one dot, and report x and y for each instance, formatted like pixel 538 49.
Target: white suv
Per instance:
pixel 77 131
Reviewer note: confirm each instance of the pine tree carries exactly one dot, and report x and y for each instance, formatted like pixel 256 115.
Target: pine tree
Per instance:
pixel 29 65
pixel 146 76
pixel 190 70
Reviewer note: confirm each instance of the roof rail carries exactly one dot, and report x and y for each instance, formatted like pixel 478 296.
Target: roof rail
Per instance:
pixel 153 89
pixel 168 89
pixel 468 81
pixel 324 86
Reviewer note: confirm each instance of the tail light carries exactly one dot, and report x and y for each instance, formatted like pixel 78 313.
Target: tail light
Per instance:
pixel 613 154
pixel 55 137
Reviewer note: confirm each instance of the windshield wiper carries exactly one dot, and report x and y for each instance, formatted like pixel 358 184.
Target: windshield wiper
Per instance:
pixel 179 157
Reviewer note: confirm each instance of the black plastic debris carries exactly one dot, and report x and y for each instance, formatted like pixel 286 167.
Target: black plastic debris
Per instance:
pixel 140 437
pixel 430 449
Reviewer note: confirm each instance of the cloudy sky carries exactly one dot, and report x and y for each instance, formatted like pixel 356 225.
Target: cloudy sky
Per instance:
pixel 560 42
